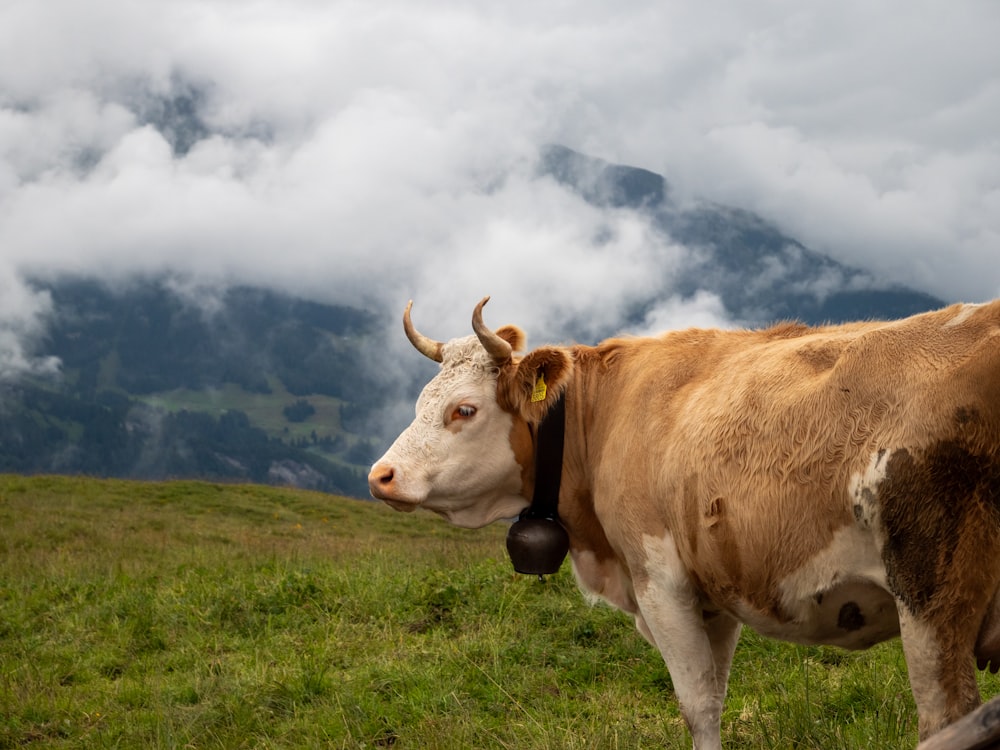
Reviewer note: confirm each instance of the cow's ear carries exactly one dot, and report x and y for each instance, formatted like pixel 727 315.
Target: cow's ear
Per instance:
pixel 531 386
pixel 513 336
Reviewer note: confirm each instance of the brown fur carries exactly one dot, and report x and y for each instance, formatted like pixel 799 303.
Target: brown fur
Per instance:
pixel 522 442
pixel 513 336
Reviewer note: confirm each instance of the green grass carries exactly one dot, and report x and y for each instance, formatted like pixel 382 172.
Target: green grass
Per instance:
pixel 265 410
pixel 187 614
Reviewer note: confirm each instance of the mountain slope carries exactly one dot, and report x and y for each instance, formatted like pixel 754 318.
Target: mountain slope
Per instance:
pixel 248 385
pixel 759 273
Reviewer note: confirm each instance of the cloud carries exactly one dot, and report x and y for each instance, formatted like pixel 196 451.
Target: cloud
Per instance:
pixel 23 314
pixel 863 133
pixel 703 310
pixel 369 153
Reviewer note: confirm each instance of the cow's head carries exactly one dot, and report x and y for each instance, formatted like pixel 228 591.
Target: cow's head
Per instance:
pixel 468 455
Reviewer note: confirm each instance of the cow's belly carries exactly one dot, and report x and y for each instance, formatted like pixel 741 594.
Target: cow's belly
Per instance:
pixel 854 614
pixel 840 597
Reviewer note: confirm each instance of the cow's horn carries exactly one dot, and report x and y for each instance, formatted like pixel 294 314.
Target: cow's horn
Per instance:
pixel 428 347
pixel 496 347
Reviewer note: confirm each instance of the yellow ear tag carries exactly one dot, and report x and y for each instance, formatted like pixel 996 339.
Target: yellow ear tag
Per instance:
pixel 540 390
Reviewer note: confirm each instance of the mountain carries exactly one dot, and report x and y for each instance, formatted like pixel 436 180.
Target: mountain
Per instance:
pixel 758 272
pixel 161 380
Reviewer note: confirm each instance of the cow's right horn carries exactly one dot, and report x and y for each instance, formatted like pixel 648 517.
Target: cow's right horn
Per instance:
pixel 428 347
pixel 496 347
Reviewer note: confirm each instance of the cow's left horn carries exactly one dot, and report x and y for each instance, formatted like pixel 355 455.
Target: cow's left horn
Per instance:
pixel 428 347
pixel 496 347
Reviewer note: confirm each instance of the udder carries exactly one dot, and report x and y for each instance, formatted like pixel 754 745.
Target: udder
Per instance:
pixel 853 614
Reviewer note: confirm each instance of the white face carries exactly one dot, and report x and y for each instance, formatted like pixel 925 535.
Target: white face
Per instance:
pixel 456 458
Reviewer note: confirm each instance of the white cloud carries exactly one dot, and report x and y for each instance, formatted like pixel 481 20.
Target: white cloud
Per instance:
pixel 550 262
pixel 703 310
pixel 370 152
pixel 22 318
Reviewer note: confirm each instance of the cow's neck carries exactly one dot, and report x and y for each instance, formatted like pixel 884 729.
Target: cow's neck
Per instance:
pixel 584 432
pixel 599 569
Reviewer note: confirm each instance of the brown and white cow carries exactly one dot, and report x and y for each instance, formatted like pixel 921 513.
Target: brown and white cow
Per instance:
pixel 834 485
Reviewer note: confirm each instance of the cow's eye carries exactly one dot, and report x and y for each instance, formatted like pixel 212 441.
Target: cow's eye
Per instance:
pixel 463 411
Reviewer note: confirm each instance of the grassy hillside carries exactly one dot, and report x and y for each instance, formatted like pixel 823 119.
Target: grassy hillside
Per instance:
pixel 199 615
pixel 265 410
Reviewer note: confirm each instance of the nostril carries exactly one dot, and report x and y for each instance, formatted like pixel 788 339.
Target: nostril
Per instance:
pixel 381 477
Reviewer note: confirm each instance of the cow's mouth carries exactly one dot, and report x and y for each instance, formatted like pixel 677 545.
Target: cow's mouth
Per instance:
pixel 402 506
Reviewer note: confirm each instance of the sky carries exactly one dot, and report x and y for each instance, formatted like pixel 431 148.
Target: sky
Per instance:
pixel 373 152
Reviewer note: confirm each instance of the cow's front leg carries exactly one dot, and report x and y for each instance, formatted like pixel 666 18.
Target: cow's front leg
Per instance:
pixel 697 648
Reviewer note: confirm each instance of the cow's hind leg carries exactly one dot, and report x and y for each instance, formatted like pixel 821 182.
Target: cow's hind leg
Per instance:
pixel 940 512
pixel 942 676
pixel 940 624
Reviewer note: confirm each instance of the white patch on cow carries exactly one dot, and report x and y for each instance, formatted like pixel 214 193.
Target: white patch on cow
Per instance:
pixel 664 568
pixel 464 470
pixel 840 597
pixel 672 612
pixel 963 314
pixel 863 489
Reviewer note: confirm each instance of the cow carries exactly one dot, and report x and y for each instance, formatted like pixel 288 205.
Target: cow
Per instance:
pixel 834 485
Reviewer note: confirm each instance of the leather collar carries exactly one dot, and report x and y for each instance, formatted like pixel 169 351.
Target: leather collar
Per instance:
pixel 548 463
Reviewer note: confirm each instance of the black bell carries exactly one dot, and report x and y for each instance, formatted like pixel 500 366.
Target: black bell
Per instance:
pixel 537 546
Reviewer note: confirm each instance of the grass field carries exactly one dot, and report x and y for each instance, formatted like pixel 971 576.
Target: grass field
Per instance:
pixel 263 409
pixel 196 615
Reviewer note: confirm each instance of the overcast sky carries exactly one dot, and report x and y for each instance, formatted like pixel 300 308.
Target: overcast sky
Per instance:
pixel 373 151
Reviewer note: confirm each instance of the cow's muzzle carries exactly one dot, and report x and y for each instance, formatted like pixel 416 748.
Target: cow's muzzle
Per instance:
pixel 383 486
